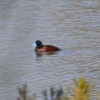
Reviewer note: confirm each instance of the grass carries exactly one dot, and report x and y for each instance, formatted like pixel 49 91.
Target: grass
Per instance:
pixel 82 91
pixel 23 94
pixel 55 94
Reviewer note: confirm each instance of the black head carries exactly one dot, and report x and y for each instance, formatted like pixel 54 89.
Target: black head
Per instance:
pixel 39 44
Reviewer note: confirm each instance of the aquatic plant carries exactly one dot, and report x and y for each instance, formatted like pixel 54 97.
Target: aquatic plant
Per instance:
pixel 23 94
pixel 83 89
pixel 54 94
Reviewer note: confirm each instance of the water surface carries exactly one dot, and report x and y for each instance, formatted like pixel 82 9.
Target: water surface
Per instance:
pixel 73 26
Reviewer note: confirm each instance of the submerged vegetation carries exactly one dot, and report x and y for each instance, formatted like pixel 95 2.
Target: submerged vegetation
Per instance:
pixel 82 91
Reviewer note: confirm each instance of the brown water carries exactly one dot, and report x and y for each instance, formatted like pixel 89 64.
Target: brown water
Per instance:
pixel 72 25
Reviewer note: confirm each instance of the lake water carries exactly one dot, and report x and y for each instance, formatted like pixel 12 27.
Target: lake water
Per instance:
pixel 72 25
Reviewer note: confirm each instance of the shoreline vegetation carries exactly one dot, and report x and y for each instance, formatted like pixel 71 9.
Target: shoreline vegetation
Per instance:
pixel 81 91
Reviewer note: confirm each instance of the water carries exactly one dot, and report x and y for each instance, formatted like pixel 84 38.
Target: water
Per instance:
pixel 73 26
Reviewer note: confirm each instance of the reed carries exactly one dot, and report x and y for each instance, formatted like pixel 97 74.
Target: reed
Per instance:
pixel 53 94
pixel 23 94
pixel 81 91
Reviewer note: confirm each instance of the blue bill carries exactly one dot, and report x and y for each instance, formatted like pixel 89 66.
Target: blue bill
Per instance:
pixel 34 45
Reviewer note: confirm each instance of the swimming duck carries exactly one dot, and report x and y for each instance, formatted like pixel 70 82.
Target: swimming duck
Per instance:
pixel 44 48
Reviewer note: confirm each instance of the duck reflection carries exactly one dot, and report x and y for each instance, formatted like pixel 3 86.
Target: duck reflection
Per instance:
pixel 40 54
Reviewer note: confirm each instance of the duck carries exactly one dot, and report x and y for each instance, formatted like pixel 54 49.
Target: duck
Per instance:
pixel 44 48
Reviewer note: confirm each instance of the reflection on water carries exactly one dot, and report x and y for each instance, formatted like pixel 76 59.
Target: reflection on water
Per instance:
pixel 73 26
pixel 40 54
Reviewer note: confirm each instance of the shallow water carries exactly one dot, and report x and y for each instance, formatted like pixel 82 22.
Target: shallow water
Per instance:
pixel 73 26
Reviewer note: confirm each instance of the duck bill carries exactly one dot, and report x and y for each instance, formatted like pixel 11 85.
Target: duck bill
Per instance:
pixel 34 45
